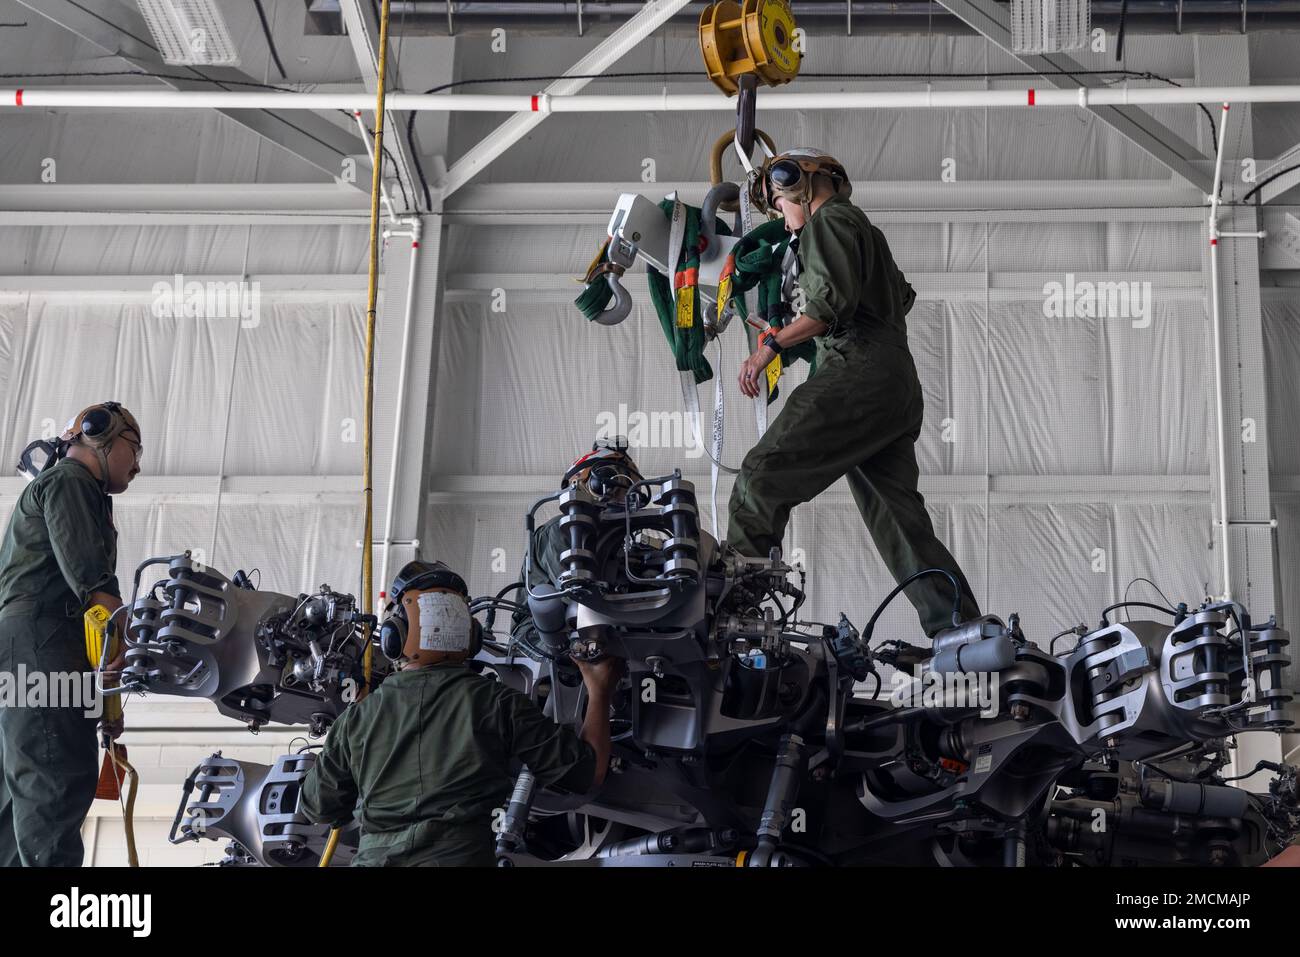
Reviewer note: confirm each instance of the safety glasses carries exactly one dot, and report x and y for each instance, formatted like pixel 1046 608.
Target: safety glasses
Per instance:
pixel 137 446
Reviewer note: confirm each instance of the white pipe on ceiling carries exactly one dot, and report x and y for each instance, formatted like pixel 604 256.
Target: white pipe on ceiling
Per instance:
pixel 639 103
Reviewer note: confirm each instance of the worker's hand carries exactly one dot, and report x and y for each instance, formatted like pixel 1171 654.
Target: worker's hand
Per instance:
pixel 752 371
pixel 114 668
pixel 110 601
pixel 112 728
pixel 601 677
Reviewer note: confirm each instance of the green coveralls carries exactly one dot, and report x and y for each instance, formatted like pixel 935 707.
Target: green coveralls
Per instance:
pixel 429 753
pixel 59 547
pixel 859 415
pixel 547 543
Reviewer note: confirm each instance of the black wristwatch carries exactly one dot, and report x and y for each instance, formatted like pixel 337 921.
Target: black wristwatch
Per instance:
pixel 768 338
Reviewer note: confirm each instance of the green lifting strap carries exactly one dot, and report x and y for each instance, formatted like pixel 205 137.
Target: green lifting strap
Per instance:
pixel 755 262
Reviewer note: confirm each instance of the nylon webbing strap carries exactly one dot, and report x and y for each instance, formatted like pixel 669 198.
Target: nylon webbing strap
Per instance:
pixel 760 401
pixel 719 428
pixel 691 400
pixel 676 233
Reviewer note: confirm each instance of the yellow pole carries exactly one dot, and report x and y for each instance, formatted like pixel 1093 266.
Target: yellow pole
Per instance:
pixel 328 854
pixel 372 296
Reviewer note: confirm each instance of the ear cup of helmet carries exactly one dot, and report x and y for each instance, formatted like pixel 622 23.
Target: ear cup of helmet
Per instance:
pixel 392 635
pixel 395 630
pixel 98 425
pixel 96 422
pixel 475 637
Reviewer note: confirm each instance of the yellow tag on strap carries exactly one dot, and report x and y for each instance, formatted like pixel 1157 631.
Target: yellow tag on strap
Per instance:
pixel 724 294
pixel 773 373
pixel 685 307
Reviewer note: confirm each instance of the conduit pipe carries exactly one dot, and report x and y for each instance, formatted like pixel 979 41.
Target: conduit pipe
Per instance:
pixel 1123 95
pixel 1225 521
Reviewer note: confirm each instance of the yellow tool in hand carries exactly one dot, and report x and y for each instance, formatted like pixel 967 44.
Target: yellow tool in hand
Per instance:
pixel 99 633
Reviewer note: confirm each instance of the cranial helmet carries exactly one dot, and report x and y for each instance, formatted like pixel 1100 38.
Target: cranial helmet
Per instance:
pixel 605 470
pixel 791 174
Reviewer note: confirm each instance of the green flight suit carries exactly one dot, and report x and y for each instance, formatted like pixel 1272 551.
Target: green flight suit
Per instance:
pixel 547 543
pixel 429 753
pixel 859 415
pixel 59 547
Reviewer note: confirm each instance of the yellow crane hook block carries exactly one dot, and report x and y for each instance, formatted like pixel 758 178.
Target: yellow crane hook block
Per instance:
pixel 757 38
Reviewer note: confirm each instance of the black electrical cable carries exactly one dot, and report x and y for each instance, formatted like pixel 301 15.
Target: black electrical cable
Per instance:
pixel 424 184
pixel 1149 582
pixel 1260 185
pixel 1133 604
pixel 419 169
pixel 487 604
pixel 151 75
pixel 890 716
pixel 406 199
pixel 500 601
pixel 1051 645
pixel 397 173
pixel 530 649
pixel 1262 766
pixel 1142 766
pixel 270 40
pixel 956 599
pixel 785 615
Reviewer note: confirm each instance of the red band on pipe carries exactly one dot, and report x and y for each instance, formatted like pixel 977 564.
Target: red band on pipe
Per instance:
pixel 415 245
pixel 1214 242
pixel 535 99
pixel 1031 97
pixel 18 97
